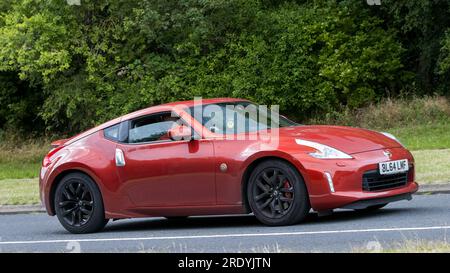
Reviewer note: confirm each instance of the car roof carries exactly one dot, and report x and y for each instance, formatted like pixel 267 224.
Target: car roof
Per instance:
pixel 190 103
pixel 169 106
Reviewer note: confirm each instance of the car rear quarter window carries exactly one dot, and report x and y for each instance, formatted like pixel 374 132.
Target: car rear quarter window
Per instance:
pixel 112 133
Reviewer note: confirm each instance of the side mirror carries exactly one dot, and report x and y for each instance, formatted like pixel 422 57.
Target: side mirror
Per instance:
pixel 180 132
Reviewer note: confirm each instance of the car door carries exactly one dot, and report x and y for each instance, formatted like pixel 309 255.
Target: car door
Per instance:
pixel 160 172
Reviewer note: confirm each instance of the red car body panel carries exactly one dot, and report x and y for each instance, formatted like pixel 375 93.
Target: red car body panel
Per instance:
pixel 184 177
pixel 181 173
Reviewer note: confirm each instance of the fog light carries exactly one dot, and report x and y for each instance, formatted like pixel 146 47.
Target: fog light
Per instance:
pixel 330 181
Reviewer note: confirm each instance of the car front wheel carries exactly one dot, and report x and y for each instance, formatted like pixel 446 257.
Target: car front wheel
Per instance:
pixel 79 204
pixel 277 194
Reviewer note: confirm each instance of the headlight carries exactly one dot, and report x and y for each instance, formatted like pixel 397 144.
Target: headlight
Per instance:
pixel 323 151
pixel 391 136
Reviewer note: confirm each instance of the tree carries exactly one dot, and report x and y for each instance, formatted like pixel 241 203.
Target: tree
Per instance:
pixel 422 26
pixel 82 65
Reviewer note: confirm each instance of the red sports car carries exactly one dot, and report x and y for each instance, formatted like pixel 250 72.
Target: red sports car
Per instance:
pixel 182 159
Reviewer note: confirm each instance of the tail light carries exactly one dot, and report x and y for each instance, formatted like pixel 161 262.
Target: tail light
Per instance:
pixel 47 159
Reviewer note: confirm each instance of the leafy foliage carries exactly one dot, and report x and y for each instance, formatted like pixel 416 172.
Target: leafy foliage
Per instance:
pixel 65 68
pixel 422 26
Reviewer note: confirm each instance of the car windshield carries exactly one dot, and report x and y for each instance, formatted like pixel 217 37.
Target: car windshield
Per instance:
pixel 237 117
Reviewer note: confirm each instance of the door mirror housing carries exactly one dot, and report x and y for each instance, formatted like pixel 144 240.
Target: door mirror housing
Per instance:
pixel 180 132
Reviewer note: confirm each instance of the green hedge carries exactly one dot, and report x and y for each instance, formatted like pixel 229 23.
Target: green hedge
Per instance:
pixel 64 68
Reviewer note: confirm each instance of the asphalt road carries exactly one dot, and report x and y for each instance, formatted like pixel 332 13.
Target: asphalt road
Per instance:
pixel 426 217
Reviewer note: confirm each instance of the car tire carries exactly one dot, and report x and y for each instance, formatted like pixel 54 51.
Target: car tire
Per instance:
pixel 79 204
pixel 372 208
pixel 277 194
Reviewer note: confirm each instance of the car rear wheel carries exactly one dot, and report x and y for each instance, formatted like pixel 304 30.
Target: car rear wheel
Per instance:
pixel 79 204
pixel 277 194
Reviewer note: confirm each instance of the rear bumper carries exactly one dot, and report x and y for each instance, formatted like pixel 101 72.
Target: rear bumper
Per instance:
pixel 44 191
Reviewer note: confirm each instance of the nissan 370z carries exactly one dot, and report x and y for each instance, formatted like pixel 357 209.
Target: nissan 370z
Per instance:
pixel 216 157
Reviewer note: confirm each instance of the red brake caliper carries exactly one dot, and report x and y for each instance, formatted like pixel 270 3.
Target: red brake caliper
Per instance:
pixel 287 185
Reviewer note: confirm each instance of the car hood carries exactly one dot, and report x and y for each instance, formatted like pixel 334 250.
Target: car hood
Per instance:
pixel 346 139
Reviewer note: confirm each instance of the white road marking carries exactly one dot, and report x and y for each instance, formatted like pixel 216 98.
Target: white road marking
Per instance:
pixel 228 235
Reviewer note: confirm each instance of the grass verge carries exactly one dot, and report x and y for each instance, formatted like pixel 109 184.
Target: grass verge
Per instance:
pixel 423 137
pixel 21 161
pixel 391 113
pixel 412 246
pixel 19 192
pixel 432 166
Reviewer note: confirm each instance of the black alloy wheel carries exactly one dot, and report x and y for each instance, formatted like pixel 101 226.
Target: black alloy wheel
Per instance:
pixel 273 194
pixel 76 203
pixel 79 205
pixel 277 193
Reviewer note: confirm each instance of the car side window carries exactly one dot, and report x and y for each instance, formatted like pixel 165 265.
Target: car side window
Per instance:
pixel 151 128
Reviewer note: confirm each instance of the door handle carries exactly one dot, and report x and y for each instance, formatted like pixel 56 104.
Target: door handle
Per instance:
pixel 120 158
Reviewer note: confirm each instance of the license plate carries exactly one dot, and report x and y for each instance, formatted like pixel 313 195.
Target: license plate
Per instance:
pixel 391 167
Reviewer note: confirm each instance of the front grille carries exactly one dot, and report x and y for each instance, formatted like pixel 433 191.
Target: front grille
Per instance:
pixel 374 181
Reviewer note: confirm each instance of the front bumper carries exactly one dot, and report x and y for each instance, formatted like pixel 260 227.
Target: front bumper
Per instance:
pixel 347 179
pixel 362 204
